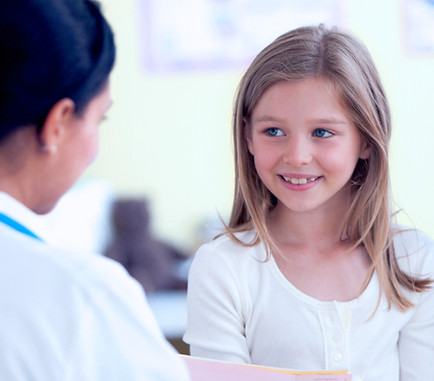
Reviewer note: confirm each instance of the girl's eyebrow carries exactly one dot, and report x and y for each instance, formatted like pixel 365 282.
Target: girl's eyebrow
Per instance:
pixel 329 120
pixel 322 120
pixel 266 118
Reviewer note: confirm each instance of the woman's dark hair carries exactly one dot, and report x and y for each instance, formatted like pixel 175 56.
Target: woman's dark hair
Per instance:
pixel 49 50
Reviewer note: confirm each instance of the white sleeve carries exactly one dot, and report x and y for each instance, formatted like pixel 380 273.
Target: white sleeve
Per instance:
pixel 416 341
pixel 216 321
pixel 118 338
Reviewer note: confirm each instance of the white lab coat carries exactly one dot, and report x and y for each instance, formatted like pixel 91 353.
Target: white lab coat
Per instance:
pixel 73 316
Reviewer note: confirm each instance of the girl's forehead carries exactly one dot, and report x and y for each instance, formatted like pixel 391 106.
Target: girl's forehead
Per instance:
pixel 327 84
pixel 320 92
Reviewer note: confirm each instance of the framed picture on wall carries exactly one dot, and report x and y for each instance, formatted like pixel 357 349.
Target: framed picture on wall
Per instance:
pixel 419 26
pixel 209 34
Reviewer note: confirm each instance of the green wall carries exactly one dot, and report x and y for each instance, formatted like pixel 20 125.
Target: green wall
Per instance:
pixel 167 136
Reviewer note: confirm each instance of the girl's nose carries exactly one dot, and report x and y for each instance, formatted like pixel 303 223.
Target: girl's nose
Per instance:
pixel 297 153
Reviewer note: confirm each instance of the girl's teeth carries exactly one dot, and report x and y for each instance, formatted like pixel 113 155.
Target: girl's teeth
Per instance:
pixel 299 181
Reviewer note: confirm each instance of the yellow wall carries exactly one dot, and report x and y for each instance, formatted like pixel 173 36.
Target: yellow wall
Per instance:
pixel 168 135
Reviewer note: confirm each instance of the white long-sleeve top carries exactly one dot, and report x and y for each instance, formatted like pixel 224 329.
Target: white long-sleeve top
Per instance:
pixel 72 316
pixel 242 309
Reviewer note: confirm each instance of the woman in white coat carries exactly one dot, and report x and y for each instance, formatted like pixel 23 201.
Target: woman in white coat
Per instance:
pixel 64 316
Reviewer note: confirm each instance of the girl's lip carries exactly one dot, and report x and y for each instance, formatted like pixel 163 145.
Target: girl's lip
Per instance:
pixel 298 175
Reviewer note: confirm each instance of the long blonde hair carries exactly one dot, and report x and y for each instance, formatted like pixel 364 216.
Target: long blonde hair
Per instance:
pixel 343 60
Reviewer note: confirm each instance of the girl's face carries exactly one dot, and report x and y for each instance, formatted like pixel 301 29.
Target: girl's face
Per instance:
pixel 305 147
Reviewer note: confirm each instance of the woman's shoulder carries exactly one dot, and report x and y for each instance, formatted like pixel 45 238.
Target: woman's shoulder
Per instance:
pixel 76 272
pixel 87 281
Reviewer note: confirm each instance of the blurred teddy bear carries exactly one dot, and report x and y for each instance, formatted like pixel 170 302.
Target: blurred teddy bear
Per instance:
pixel 152 262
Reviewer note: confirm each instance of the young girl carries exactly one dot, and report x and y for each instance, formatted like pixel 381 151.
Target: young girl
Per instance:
pixel 312 273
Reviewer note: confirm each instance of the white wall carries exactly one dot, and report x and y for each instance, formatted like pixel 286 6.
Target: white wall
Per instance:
pixel 168 135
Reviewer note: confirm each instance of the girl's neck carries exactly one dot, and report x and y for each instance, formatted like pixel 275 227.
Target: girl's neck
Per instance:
pixel 314 257
pixel 324 226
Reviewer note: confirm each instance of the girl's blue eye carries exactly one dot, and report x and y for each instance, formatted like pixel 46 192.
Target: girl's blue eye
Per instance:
pixel 321 133
pixel 274 131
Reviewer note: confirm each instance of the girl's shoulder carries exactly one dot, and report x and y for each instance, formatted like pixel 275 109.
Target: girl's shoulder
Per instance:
pixel 414 250
pixel 407 238
pixel 236 247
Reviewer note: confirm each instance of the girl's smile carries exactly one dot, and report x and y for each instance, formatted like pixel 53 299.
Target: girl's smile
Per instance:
pixel 304 145
pixel 300 182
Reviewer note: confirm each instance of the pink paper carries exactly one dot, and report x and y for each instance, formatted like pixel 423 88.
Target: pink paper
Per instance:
pixel 210 370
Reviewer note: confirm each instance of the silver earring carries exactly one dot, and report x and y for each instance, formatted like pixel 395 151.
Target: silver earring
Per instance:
pixel 52 148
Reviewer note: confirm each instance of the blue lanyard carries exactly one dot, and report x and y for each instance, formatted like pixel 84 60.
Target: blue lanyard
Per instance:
pixel 17 226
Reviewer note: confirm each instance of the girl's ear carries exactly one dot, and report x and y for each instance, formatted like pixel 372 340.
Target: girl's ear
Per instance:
pixel 365 151
pixel 53 129
pixel 248 136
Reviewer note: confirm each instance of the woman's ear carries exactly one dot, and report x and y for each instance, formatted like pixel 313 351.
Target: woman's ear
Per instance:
pixel 365 151
pixel 248 135
pixel 53 129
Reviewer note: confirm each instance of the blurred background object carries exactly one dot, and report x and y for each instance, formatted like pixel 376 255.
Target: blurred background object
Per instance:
pixel 154 263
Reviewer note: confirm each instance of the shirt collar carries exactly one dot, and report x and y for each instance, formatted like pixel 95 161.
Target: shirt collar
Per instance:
pixel 24 216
